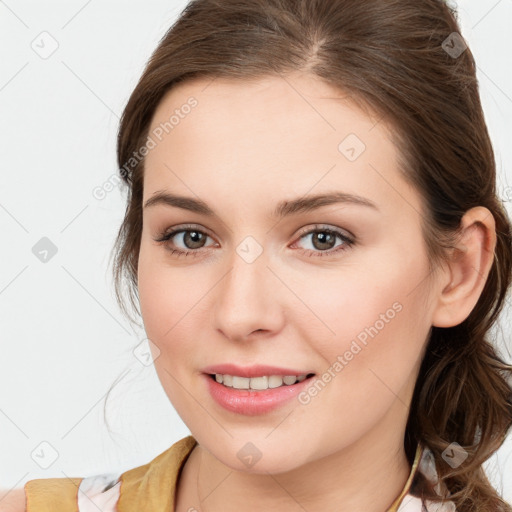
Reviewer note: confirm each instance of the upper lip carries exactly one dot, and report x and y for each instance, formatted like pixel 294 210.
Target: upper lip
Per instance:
pixel 258 370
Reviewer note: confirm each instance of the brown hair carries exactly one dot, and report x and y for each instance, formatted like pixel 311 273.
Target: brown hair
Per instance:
pixel 405 60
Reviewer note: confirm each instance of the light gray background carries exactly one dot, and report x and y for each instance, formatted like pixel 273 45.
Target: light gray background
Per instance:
pixel 64 341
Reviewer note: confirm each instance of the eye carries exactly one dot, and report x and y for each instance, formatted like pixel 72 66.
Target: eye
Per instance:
pixel 191 238
pixel 323 240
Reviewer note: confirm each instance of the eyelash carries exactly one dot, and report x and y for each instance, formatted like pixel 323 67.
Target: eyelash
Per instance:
pixel 165 236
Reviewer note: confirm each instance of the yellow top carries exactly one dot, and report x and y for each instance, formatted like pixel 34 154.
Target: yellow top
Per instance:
pixel 152 487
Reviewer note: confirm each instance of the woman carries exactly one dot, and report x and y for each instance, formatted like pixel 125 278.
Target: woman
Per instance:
pixel 316 243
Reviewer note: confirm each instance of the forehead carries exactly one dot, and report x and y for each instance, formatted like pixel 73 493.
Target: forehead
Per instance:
pixel 275 134
pixel 322 109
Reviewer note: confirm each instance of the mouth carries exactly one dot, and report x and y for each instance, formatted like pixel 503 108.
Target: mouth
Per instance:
pixel 258 384
pixel 239 394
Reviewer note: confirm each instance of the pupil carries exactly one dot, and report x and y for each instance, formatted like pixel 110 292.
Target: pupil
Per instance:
pixel 325 238
pixel 193 237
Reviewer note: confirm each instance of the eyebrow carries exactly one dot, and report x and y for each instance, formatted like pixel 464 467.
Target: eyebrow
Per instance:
pixel 283 209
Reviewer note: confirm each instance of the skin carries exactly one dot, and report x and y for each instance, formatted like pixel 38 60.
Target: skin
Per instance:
pixel 12 500
pixel 244 148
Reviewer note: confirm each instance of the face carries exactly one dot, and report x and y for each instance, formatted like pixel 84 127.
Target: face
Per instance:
pixel 337 287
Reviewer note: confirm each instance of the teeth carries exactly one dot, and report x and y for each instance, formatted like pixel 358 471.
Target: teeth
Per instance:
pixel 240 382
pixel 274 381
pixel 258 383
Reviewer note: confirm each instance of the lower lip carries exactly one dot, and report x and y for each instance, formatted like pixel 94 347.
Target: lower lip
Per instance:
pixel 252 403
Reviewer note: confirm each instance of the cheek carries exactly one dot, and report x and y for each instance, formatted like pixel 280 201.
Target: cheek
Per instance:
pixel 166 305
pixel 174 305
pixel 378 331
pixel 373 316
pixel 166 294
pixel 162 300
pixel 156 301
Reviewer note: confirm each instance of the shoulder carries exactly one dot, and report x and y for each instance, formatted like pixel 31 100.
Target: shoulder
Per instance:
pixel 424 473
pixel 13 500
pixel 92 493
pixel 51 494
pixel 99 492
pixel 153 483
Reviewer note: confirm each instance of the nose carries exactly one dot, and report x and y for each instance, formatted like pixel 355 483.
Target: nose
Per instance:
pixel 247 301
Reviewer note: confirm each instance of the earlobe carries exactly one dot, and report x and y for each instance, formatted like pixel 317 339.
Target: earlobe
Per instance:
pixel 469 266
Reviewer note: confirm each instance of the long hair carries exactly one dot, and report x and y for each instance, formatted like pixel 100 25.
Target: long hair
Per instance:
pixel 407 61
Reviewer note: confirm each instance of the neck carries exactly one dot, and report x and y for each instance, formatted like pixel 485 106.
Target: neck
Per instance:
pixel 367 475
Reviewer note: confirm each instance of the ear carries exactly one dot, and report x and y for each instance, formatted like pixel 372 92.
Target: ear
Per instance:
pixel 468 268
